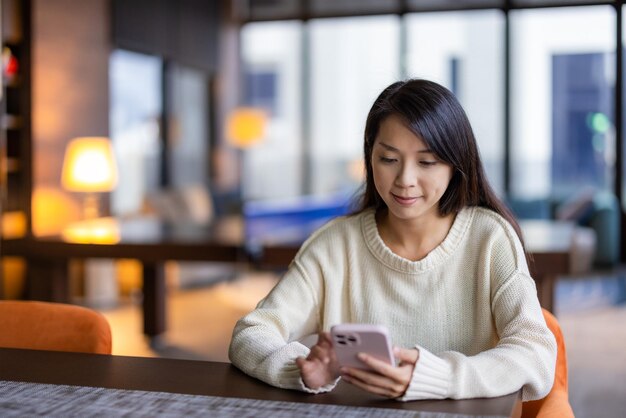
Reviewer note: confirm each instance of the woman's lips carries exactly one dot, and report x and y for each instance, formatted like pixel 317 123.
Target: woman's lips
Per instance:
pixel 404 201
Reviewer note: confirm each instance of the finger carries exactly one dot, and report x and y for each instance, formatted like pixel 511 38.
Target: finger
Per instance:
pixel 377 365
pixel 306 367
pixel 366 376
pixel 405 355
pixel 395 384
pixel 387 391
pixel 319 354
pixel 323 336
pixel 309 367
pixel 324 339
pixel 303 363
pixel 300 361
pixel 398 375
pixel 328 342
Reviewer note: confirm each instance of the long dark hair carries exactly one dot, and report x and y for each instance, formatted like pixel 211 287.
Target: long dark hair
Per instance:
pixel 434 114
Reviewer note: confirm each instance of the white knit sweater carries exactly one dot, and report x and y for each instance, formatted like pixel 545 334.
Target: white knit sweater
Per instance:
pixel 470 308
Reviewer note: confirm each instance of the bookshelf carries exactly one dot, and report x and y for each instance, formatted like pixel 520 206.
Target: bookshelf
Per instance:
pixel 15 120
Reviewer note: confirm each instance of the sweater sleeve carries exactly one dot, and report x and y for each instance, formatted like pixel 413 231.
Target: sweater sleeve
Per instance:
pixel 264 342
pixel 524 356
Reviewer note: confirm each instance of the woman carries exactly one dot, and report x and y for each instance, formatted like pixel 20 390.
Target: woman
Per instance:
pixel 432 254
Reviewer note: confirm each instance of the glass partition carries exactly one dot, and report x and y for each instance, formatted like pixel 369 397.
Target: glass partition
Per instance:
pixel 562 101
pixel 464 51
pixel 188 138
pixel 135 112
pixel 352 61
pixel 272 77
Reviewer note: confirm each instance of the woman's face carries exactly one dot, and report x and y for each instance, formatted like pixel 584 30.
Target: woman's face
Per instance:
pixel 407 175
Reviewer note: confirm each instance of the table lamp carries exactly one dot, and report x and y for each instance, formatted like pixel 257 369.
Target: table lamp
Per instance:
pixel 89 167
pixel 245 127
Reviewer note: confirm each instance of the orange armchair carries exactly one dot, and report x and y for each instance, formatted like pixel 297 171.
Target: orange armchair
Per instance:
pixel 556 403
pixel 53 326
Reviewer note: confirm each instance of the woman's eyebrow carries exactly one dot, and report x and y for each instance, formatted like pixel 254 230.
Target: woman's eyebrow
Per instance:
pixel 390 148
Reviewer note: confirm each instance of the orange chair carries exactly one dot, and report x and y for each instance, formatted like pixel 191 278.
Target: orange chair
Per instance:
pixel 53 326
pixel 556 403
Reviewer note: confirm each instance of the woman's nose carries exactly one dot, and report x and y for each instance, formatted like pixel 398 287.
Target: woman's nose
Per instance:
pixel 407 176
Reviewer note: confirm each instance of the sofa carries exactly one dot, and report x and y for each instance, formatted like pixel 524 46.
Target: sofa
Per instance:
pixel 595 211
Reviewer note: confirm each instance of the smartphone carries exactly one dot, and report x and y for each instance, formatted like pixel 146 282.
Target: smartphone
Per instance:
pixel 352 339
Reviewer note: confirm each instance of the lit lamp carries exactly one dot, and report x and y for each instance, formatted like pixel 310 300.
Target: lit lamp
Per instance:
pixel 245 127
pixel 89 167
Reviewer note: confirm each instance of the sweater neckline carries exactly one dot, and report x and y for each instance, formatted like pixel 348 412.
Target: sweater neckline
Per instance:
pixel 383 253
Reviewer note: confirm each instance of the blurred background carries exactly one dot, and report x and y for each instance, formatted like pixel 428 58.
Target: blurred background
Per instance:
pixel 256 109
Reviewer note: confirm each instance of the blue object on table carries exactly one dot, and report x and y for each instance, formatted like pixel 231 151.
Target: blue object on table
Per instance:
pixel 289 221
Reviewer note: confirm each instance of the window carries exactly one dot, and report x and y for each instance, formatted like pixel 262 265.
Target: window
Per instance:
pixel 464 51
pixel 554 108
pixel 352 61
pixel 271 58
pixel 188 139
pixel 135 112
pixel 260 89
pixel 562 100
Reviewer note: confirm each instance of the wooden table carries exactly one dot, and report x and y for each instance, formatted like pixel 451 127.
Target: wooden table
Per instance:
pixel 551 246
pixel 212 379
pixel 148 240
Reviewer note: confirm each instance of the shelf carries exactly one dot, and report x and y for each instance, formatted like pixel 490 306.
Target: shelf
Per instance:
pixel 11 122
pixel 12 165
pixel 15 117
pixel 14 81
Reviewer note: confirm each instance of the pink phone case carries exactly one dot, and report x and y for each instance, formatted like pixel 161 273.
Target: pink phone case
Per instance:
pixel 351 339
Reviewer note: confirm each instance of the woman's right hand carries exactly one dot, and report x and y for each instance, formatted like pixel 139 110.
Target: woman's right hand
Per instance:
pixel 320 367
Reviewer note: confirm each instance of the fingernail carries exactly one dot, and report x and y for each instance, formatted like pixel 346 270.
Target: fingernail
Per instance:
pixel 362 356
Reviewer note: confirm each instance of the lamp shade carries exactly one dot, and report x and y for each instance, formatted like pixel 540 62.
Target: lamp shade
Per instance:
pixel 245 126
pixel 89 165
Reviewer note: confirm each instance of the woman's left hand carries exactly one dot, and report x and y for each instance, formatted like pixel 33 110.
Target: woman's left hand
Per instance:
pixel 385 380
